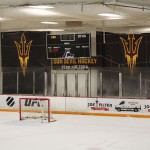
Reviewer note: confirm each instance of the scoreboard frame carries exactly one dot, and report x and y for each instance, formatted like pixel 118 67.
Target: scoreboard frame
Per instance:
pixel 70 45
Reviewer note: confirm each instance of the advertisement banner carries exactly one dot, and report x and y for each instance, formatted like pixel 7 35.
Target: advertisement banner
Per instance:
pixel 84 105
pixel 109 105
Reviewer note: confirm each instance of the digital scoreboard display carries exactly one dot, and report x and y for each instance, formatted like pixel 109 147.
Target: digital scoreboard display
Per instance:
pixel 68 46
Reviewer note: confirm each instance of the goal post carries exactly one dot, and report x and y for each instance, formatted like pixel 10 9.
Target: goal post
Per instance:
pixel 34 108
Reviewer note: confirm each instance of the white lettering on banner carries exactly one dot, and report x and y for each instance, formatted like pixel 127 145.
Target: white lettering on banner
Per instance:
pixel 82 36
pixel 75 67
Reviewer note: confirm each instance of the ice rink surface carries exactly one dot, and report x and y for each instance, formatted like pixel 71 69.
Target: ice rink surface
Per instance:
pixel 74 132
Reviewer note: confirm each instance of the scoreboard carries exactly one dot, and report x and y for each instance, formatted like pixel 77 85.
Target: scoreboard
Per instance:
pixel 68 46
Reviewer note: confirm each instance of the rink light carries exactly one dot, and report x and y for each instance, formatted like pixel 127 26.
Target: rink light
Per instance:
pixel 41 7
pixel 59 30
pixel 48 22
pixel 2 19
pixel 39 12
pixel 109 15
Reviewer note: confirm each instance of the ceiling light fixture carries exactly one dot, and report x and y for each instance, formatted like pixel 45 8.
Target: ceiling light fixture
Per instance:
pixel 41 6
pixel 59 30
pixel 109 15
pixel 2 19
pixel 39 12
pixel 48 22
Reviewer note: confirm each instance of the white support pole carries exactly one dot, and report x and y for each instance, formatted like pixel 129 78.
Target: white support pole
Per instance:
pixel 93 42
pixel 45 83
pixel 34 82
pixel 76 84
pixel 17 82
pixel 1 74
pixel 120 85
pixel 140 85
pixel 55 84
pixel 101 84
pixel 66 87
pixel 87 85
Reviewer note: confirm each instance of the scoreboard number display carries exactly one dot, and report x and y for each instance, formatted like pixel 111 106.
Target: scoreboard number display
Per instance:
pixel 68 46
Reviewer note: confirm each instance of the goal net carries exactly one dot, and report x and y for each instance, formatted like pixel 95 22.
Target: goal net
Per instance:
pixel 35 108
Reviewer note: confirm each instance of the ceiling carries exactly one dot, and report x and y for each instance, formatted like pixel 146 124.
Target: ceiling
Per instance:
pixel 75 15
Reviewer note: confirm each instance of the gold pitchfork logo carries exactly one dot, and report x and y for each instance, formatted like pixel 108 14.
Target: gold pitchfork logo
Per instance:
pixel 23 52
pixel 131 50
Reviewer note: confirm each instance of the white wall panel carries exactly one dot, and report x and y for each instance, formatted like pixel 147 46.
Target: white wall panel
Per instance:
pixel 60 87
pixel 71 89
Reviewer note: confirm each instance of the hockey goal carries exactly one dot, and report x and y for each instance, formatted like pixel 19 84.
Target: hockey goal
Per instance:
pixel 35 108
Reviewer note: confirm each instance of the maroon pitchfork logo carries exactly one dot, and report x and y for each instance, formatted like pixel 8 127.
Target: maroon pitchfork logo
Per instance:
pixel 23 52
pixel 131 50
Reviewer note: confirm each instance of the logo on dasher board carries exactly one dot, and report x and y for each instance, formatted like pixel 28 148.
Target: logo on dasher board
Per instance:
pixel 32 103
pixel 10 101
pixel 96 105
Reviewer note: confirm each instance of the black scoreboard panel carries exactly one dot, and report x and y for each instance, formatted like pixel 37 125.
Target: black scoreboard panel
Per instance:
pixel 68 46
